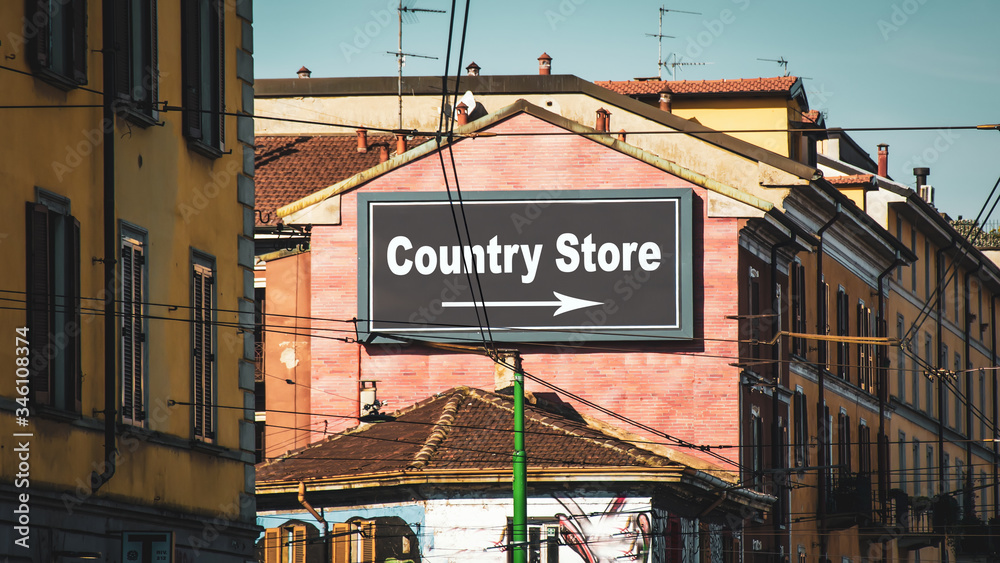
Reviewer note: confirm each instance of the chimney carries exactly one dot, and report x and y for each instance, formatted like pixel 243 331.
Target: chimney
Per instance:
pixel 383 152
pixel 503 376
pixel 400 144
pixel 621 135
pixel 925 191
pixel 362 140
pixel 545 64
pixel 463 113
pixel 665 103
pixel 883 160
pixel 473 69
pixel 603 116
pixel 304 72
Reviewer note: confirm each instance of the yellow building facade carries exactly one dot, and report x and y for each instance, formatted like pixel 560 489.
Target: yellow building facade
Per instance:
pixel 128 225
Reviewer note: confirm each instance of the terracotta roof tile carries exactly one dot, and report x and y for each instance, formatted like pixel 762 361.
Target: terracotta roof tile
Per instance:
pixel 465 428
pixel 289 168
pixel 776 85
pixel 811 116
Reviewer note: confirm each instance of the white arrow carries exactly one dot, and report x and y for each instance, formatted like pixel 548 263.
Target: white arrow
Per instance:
pixel 564 303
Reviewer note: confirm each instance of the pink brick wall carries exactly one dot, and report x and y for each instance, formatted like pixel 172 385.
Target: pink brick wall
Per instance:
pixel 686 389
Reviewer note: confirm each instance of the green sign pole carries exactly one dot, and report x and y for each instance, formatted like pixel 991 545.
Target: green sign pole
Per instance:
pixel 520 464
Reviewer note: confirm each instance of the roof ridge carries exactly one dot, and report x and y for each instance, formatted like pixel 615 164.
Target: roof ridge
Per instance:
pixel 440 430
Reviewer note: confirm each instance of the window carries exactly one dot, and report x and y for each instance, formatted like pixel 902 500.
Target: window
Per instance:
pixel 755 325
pixel 866 364
pixel 843 329
pixel 930 470
pixel 928 383
pixel 913 267
pixel 900 359
pixel 957 312
pixel 53 301
pixel 979 316
pixel 757 451
pixel 204 73
pixel 823 346
pixel 983 505
pixel 57 50
pixel 902 461
pixel 946 474
pixel 801 430
pixel 864 449
pixel 982 405
pixel 916 372
pixel 136 68
pixel 916 467
pixel 899 237
pixel 927 269
pixel 133 324
pixel 828 448
pixel 942 367
pixel 961 391
pixel 543 541
pixel 844 445
pixel 960 485
pixel 203 346
pixel 798 307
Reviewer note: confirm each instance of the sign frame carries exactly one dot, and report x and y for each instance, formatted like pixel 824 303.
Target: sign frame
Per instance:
pixel 684 231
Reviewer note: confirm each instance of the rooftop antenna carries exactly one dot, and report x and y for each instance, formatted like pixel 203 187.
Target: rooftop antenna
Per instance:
pixel 676 63
pixel 781 61
pixel 659 39
pixel 407 11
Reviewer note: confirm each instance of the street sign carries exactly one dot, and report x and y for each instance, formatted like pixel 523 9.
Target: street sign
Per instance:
pixel 550 266
pixel 147 547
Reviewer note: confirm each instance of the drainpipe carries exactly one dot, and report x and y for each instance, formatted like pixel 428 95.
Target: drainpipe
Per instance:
pixel 939 307
pixel 776 355
pixel 881 328
pixel 318 517
pixel 821 376
pixel 968 383
pixel 97 480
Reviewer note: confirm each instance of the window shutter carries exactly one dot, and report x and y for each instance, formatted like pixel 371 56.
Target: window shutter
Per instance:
pixel 367 554
pixel 191 61
pixel 123 49
pixel 341 541
pixel 37 11
pixel 272 545
pixel 133 339
pixel 220 56
pixel 75 394
pixel 154 65
pixel 38 305
pixel 203 357
pixel 298 544
pixel 79 46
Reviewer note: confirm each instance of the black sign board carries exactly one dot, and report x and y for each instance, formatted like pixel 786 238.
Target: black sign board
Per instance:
pixel 552 266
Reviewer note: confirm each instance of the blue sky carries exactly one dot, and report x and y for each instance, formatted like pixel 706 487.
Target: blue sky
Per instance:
pixel 869 63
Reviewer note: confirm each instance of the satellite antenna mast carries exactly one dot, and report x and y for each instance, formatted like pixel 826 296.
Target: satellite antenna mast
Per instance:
pixel 659 39
pixel 410 11
pixel 781 61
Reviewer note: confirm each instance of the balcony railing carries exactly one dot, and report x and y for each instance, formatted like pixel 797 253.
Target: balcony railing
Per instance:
pixel 850 502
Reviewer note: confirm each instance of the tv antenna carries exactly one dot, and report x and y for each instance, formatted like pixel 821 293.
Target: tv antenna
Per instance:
pixel 676 63
pixel 659 39
pixel 781 61
pixel 407 11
